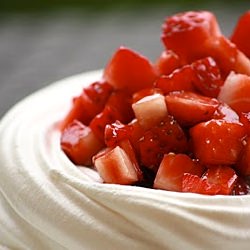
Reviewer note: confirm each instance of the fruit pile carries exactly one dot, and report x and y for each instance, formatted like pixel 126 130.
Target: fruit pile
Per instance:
pixel 181 124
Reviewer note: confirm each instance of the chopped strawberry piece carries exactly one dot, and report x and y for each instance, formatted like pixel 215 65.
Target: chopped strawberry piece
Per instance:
pixel 150 110
pixel 217 141
pixel 216 180
pixel 79 143
pixel 241 187
pixel 116 132
pixel 167 62
pixel 98 124
pixel 172 169
pixel 161 139
pixel 224 112
pixel 243 165
pixel 241 34
pixel 145 92
pixel 189 108
pixel 186 33
pixel 207 77
pixel 121 102
pixel 115 166
pixel 129 71
pixel 86 106
pixel 245 120
pixel 235 92
pixel 179 79
pixel 228 57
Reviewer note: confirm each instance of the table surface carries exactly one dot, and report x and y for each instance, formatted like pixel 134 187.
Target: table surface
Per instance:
pixel 37 49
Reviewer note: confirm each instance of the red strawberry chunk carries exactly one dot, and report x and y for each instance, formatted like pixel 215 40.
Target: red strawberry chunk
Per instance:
pixel 224 112
pixel 186 33
pixel 129 71
pixel 167 62
pixel 207 77
pixel 179 79
pixel 241 34
pixel 189 108
pixel 217 141
pixel 245 120
pixel 243 165
pixel 163 138
pixel 172 169
pixel 79 143
pixel 216 180
pixel 115 166
pixel 241 187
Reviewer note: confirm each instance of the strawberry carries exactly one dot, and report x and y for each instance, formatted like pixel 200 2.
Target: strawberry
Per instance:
pixel 186 33
pixel 115 166
pixel 216 180
pixel 224 112
pixel 179 79
pixel 241 34
pixel 245 120
pixel 172 169
pixel 91 101
pixel 129 71
pixel 241 187
pixel 235 92
pixel 167 62
pixel 207 77
pixel 243 165
pixel 217 142
pixel 150 110
pixel 79 143
pixel 165 137
pixel 189 108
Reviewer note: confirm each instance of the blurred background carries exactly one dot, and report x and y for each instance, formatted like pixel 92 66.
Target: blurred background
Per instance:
pixel 42 41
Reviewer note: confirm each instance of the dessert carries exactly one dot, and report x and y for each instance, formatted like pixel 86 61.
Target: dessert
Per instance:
pixel 47 202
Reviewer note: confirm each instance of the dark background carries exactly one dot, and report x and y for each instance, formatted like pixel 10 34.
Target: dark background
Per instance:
pixel 44 41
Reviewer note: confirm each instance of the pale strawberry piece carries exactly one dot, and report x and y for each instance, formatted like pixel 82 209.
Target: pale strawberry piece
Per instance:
pixel 115 166
pixel 235 92
pixel 150 110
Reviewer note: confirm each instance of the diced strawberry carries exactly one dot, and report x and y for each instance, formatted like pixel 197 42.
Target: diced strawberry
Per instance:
pixel 189 108
pixel 172 168
pixel 224 112
pixel 145 92
pixel 207 77
pixel 217 142
pixel 167 62
pixel 99 93
pixel 241 33
pixel 245 120
pixel 129 71
pixel 116 132
pixel 161 139
pixel 243 165
pixel 228 57
pixel 186 33
pixel 79 143
pixel 216 180
pixel 150 110
pixel 235 92
pixel 98 124
pixel 115 166
pixel 86 106
pixel 179 79
pixel 121 102
pixel 241 187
